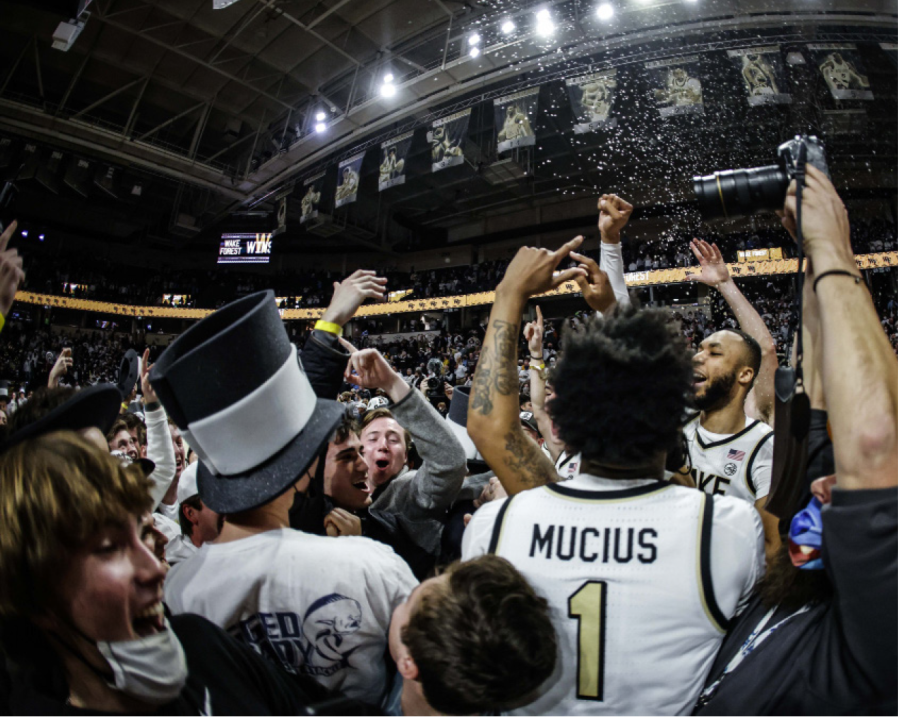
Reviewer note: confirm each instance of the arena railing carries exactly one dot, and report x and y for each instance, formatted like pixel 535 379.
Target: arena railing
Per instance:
pixel 674 275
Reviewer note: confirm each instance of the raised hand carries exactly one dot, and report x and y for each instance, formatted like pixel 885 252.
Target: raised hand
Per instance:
pixel 713 269
pixel 149 395
pixel 826 227
pixel 11 273
pixel 60 368
pixel 349 295
pixel 614 214
pixel 369 369
pixel 534 334
pixel 595 286
pixel 532 271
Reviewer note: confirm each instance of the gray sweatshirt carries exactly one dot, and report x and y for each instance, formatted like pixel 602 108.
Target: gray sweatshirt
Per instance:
pixel 417 500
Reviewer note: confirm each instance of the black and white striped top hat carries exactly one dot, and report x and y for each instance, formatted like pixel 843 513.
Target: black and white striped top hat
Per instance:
pixel 233 385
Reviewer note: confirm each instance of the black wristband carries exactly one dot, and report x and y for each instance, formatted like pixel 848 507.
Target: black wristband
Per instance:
pixel 835 272
pixel 152 405
pixel 536 358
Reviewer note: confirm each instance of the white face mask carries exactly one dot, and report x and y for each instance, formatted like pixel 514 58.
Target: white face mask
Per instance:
pixel 152 669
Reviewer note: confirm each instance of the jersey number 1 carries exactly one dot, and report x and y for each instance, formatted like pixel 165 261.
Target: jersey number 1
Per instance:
pixel 588 606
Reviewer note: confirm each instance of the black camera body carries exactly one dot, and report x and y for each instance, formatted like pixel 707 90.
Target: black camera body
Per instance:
pixel 741 192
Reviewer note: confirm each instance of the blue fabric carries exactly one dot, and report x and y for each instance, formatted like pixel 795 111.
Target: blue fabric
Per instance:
pixel 806 530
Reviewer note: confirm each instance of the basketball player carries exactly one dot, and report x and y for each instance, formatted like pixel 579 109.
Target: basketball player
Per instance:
pixel 642 576
pixel 731 451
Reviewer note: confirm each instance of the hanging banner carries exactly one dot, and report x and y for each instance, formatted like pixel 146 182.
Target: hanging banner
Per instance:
pixel 312 195
pixel 592 99
pixel 762 70
pixel 843 70
pixel 891 49
pixel 348 180
pixel 392 170
pixel 514 117
pixel 446 138
pixel 281 210
pixel 676 85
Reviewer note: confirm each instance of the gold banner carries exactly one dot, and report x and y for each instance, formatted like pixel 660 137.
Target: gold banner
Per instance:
pixel 638 278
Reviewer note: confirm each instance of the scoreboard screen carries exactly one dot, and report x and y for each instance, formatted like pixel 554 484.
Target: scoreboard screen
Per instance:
pixel 245 249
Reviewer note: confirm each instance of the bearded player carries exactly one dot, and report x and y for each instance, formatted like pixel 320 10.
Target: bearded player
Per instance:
pixel 729 441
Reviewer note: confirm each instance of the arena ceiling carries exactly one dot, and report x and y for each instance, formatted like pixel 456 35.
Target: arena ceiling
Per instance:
pixel 213 112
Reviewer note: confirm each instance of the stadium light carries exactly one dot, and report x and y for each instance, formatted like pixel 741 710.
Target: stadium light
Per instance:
pixel 320 116
pixel 474 52
pixel 388 89
pixel 544 26
pixel 474 39
pixel 508 27
pixel 605 11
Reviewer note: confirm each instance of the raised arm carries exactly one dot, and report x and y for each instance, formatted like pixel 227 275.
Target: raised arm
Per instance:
pixel 714 272
pixel 11 273
pixel 493 420
pixel 859 367
pixel 534 335
pixel 323 358
pixel 614 215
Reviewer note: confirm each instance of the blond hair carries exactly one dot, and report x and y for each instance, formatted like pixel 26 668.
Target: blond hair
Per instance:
pixel 56 491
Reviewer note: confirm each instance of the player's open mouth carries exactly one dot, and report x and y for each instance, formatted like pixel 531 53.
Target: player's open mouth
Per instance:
pixel 150 620
pixel 699 379
pixel 361 485
pixel 382 464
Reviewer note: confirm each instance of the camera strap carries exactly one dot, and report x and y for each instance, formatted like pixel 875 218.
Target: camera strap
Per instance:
pixel 792 407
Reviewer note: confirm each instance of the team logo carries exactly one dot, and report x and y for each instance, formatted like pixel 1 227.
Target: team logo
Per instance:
pixel 730 469
pixel 327 625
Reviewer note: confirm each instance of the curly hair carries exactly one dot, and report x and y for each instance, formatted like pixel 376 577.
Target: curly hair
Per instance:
pixel 622 388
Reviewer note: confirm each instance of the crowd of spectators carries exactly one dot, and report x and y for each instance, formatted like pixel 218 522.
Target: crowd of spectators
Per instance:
pixel 416 548
pixel 30 351
pixel 100 279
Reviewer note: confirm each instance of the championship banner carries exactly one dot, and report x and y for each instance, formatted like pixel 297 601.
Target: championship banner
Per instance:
pixel 843 70
pixel 446 138
pixel 676 85
pixel 392 170
pixel 891 49
pixel 312 195
pixel 281 204
pixel 348 180
pixel 592 99
pixel 762 70
pixel 514 117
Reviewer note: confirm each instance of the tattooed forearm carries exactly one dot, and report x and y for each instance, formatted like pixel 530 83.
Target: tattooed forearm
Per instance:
pixel 480 397
pixel 529 465
pixel 506 379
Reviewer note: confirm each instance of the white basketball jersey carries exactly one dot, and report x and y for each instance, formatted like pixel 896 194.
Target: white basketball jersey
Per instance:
pixel 739 464
pixel 642 578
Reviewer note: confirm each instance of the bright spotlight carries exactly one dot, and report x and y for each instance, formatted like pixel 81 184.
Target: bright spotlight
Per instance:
pixel 320 127
pixel 508 27
pixel 605 11
pixel 388 89
pixel 474 52
pixel 545 25
pixel 388 78
pixel 24 232
pixel 474 38
pixel 41 237
pixel 320 116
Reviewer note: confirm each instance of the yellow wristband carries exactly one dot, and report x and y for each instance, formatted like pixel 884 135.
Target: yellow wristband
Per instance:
pixel 537 367
pixel 328 326
pixel 2 321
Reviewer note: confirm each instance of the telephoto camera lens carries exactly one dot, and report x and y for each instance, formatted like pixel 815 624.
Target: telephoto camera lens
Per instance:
pixel 740 192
